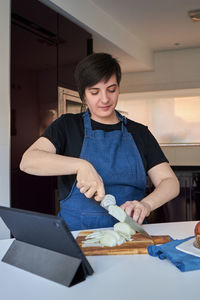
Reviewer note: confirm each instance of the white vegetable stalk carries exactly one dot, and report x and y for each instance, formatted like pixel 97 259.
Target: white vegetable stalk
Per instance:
pixel 124 228
pixel 117 212
pixel 122 232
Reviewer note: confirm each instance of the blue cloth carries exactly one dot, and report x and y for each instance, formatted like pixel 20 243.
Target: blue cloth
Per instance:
pixel 117 160
pixel 183 261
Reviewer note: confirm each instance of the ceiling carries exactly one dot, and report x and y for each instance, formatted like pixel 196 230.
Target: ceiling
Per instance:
pixel 160 25
pixel 133 30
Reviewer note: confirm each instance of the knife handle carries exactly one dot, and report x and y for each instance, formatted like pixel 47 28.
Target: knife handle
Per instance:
pixel 107 201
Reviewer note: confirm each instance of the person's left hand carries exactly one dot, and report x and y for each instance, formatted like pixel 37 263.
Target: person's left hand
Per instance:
pixel 137 210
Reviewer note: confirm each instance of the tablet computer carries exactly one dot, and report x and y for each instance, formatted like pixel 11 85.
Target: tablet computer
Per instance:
pixel 45 231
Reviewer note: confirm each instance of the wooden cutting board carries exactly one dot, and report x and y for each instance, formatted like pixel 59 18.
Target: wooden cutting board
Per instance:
pixel 138 245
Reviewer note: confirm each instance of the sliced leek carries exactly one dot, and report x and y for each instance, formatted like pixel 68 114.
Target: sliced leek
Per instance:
pixel 108 240
pixel 113 235
pixel 124 228
pixel 117 212
pixel 122 232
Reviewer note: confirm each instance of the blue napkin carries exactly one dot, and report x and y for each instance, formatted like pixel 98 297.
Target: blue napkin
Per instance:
pixel 183 261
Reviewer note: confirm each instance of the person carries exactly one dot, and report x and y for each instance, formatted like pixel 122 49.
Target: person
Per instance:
pixel 100 152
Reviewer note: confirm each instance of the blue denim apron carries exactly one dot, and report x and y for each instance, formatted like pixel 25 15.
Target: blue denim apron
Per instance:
pixel 116 158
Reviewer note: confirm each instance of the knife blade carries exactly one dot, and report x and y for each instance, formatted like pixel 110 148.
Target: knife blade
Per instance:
pixel 136 226
pixel 110 200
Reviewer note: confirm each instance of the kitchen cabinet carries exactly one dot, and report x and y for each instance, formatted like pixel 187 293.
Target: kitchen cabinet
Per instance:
pixel 74 44
pixel 45 48
pixel 186 206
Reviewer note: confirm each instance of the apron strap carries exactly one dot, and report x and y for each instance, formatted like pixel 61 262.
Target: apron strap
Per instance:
pixel 87 121
pixel 123 120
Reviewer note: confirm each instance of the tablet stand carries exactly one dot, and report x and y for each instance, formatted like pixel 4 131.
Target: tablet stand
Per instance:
pixel 63 269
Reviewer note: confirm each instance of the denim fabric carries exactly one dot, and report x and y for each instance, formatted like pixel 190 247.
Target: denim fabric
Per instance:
pixel 116 158
pixel 183 261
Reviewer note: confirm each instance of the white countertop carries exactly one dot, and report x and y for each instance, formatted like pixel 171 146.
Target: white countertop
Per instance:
pixel 116 277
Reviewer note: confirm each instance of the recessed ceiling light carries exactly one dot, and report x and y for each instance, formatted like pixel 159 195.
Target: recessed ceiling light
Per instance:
pixel 194 15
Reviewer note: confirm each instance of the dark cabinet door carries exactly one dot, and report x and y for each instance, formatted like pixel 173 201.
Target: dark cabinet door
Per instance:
pixel 33 97
pixel 186 206
pixel 45 48
pixel 35 16
pixel 74 43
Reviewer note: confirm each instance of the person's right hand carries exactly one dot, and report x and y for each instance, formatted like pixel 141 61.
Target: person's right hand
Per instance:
pixel 89 181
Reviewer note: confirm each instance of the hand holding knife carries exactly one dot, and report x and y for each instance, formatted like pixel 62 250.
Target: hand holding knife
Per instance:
pixel 109 201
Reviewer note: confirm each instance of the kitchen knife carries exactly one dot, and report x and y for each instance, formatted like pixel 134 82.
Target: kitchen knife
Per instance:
pixel 110 200
pixel 136 226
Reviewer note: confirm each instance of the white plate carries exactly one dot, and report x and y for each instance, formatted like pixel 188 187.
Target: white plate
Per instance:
pixel 188 247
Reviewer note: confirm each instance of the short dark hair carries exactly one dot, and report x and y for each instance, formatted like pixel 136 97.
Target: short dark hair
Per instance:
pixel 94 68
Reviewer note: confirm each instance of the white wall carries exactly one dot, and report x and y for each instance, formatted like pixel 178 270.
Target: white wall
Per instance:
pixel 173 70
pixel 142 107
pixel 183 156
pixel 4 109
